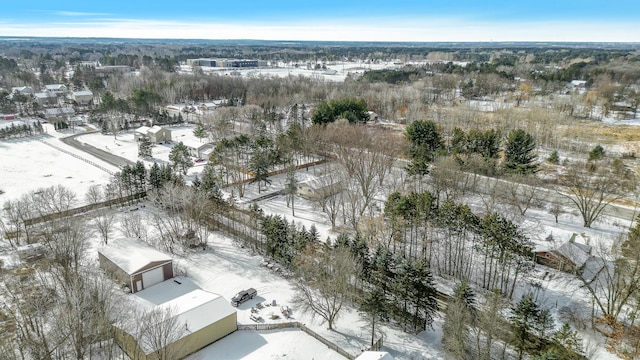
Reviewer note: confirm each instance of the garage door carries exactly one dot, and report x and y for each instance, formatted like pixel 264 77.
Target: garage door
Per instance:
pixel 152 277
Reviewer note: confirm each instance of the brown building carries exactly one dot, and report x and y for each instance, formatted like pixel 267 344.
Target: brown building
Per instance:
pixel 135 264
pixel 569 257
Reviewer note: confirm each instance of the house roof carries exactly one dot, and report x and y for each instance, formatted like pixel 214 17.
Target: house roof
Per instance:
pixel 321 182
pixel 143 130
pixel 42 95
pixel 21 89
pixel 155 129
pixel 594 268
pixel 131 255
pixel 83 93
pixel 55 86
pixel 575 252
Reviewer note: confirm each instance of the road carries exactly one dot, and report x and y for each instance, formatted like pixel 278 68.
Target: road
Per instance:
pixel 94 151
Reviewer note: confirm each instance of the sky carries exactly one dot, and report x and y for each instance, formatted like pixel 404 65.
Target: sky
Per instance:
pixel 329 20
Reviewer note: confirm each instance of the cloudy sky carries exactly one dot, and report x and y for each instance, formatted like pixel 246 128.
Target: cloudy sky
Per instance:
pixel 352 20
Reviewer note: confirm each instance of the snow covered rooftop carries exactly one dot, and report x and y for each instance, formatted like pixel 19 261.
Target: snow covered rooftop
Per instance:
pixel 154 129
pixel 577 253
pixel 143 130
pixel 199 309
pixel 131 255
pixel 192 307
pixel 375 355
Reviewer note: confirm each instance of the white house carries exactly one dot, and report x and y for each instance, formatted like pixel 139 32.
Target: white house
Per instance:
pixel 58 113
pixel 56 89
pixel 159 135
pixel 156 134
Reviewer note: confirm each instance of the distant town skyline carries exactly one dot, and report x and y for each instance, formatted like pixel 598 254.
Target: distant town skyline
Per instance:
pixel 329 20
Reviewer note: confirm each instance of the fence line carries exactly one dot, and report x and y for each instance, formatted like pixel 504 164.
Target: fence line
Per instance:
pixel 77 157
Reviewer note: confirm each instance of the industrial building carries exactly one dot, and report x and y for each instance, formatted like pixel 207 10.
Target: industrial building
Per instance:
pixel 227 63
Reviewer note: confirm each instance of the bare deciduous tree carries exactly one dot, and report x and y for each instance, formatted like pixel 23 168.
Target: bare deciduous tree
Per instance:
pixel 158 329
pixel 591 193
pixel 324 286
pixel 104 221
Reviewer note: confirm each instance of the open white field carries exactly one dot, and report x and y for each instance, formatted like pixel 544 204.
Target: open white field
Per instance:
pixel 28 164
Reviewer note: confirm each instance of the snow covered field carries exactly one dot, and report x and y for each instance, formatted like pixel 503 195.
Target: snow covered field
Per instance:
pixel 335 72
pixel 30 163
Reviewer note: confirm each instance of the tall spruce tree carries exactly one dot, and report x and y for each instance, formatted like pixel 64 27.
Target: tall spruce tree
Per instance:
pixel 519 153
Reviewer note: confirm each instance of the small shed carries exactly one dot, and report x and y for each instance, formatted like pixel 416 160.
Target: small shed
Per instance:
pixel 135 264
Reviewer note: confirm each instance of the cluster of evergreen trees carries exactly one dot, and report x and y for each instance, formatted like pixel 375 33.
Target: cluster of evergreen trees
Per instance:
pixel 427 142
pixel 352 109
pixel 283 240
pixel 490 251
pixel 136 180
pixel 19 131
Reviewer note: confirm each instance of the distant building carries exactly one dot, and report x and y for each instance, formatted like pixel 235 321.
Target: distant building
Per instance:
pixel 31 252
pixel 84 97
pixel 156 134
pixel 319 188
pixel 56 89
pixel 22 90
pixel 45 98
pixel 227 63
pixel 113 69
pixel 58 114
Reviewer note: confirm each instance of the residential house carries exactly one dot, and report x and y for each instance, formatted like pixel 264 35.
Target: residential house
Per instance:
pixel 568 257
pixel 22 90
pixel 56 89
pixel 159 135
pixel 84 97
pixel 375 355
pixel 55 115
pixel 45 98
pixel 197 148
pixel 155 134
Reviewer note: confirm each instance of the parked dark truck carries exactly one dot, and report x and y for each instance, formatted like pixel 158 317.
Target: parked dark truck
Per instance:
pixel 243 296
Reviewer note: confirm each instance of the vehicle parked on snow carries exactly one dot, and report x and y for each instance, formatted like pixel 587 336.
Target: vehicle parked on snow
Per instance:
pixel 243 296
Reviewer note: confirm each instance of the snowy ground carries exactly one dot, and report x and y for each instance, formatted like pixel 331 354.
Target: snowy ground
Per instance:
pixel 225 268
pixel 27 164
pixel 335 72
